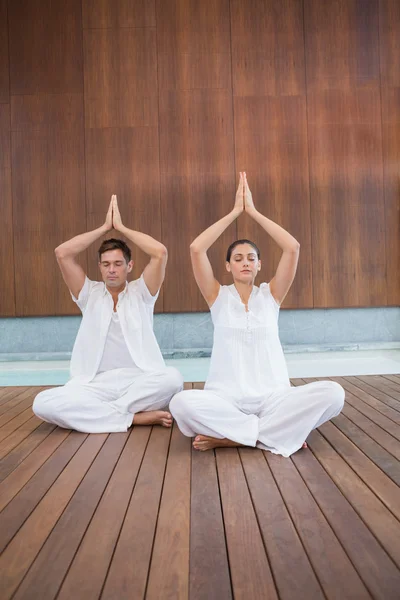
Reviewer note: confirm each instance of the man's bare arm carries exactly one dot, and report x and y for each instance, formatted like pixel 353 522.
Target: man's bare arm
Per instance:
pixel 66 253
pixel 154 272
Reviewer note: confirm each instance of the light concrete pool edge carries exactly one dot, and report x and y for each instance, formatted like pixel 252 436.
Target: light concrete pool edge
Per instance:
pixel 300 364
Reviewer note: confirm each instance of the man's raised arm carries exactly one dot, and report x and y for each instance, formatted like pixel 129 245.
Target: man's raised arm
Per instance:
pixel 154 272
pixel 66 253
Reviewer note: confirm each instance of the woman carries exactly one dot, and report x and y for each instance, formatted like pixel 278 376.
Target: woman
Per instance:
pixel 247 399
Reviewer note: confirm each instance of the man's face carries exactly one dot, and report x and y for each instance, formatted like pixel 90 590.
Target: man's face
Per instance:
pixel 114 268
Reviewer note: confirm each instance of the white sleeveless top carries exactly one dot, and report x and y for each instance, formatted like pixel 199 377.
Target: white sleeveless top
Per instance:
pixel 247 358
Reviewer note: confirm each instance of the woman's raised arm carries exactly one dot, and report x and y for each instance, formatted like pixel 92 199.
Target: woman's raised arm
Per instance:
pixel 201 265
pixel 286 271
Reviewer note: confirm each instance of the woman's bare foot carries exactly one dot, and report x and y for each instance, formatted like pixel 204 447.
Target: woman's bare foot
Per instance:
pixel 204 442
pixel 153 417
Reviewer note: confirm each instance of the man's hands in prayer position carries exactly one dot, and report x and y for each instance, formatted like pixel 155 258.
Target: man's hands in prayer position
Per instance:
pixel 113 217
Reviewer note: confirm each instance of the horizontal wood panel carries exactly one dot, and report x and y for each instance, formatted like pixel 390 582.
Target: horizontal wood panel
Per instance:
pixel 7 290
pixel 45 46
pixel 120 77
pixel 389 42
pixel 4 59
pixel 201 27
pixel 302 94
pixel 48 197
pixel 193 41
pixel 267 47
pixel 271 146
pixel 347 208
pixel 197 185
pixel 391 160
pixel 123 161
pixel 118 13
pixel 342 44
pixel 46 112
pixel 389 22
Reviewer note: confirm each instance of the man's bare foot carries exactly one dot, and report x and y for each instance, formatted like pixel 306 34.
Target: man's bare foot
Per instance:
pixel 153 417
pixel 204 442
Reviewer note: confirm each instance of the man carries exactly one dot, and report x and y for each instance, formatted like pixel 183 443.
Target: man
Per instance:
pixel 118 375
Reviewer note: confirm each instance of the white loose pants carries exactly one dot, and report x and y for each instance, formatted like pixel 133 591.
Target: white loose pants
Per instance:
pixel 109 402
pixel 279 422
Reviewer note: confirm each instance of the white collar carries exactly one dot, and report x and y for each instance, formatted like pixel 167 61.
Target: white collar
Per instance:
pixel 121 294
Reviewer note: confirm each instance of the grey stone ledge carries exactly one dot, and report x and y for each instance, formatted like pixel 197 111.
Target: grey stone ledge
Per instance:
pixel 206 352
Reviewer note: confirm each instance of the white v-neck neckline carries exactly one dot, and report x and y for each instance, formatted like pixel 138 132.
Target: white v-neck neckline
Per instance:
pixel 237 295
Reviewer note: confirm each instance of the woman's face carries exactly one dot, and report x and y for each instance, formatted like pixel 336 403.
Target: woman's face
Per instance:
pixel 244 263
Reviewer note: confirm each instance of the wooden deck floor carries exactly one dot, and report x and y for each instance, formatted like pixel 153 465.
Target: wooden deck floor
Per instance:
pixel 141 515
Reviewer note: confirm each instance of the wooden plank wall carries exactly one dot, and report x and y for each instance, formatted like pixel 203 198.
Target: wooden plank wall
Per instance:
pixel 163 101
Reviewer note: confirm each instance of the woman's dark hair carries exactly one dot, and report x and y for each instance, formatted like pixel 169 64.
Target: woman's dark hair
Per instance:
pixel 114 244
pixel 234 244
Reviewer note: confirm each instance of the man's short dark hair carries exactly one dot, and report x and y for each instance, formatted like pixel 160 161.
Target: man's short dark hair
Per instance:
pixel 237 243
pixel 114 244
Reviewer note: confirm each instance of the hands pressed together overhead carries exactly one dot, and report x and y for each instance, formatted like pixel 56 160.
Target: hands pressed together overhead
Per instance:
pixel 113 218
pixel 243 202
pixel 244 198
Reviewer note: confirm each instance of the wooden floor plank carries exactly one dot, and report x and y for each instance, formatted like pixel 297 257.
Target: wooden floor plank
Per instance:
pixel 157 519
pixel 24 449
pixel 169 567
pixel 63 542
pixel 88 571
pixel 335 572
pixel 367 419
pixel 395 379
pixel 296 381
pixel 124 582
pixel 24 503
pixel 7 393
pixel 373 512
pixel 16 399
pixel 23 473
pixel 209 567
pixel 365 552
pixel 369 399
pixel 386 393
pixel 382 383
pixel 17 436
pixel 198 385
pixel 15 417
pixel 386 424
pixel 24 547
pixel 5 390
pixel 290 565
pixel 250 570
pixel 376 480
pixel 383 438
pixel 385 461
pixel 16 406
pixel 13 408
